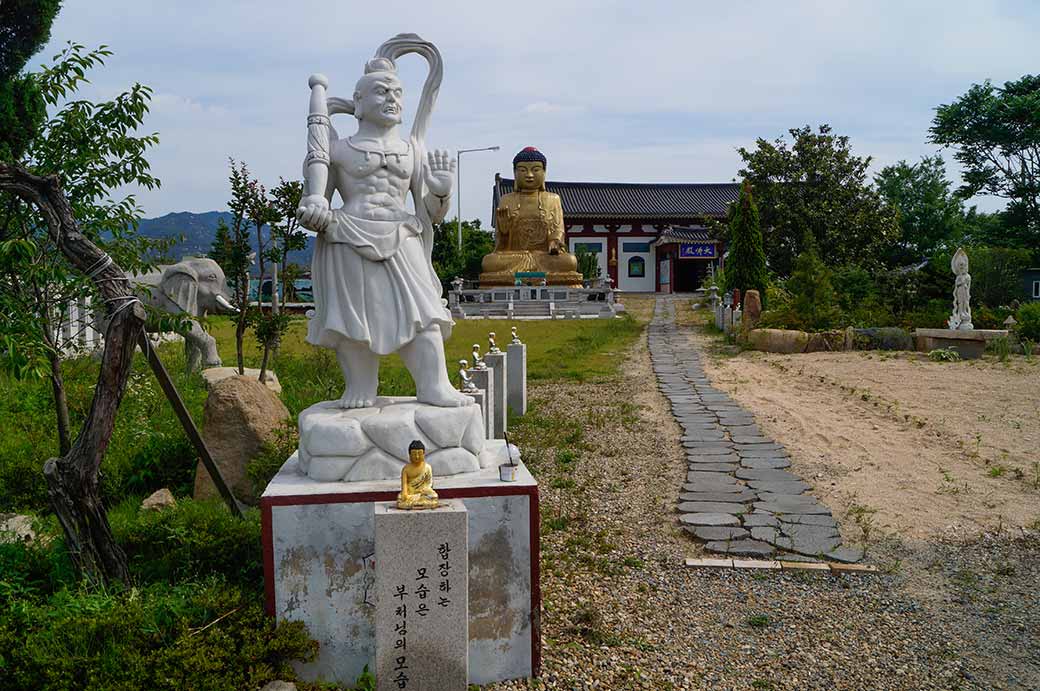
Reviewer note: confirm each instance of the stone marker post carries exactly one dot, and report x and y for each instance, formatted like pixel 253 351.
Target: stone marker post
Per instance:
pixel 422 597
pixel 498 364
pixel 484 380
pixel 516 378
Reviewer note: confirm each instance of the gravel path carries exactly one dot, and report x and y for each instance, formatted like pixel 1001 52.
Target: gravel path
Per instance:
pixel 739 496
pixel 621 612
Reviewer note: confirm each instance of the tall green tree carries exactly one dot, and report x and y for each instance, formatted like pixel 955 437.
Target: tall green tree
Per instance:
pixel 233 251
pixel 95 151
pixel 931 214
pixel 746 263
pixel 813 302
pixel 449 262
pixel 995 132
pixel 816 187
pixel 286 234
pixel 25 27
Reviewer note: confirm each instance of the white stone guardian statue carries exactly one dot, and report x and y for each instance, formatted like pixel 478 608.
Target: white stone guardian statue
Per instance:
pixel 375 290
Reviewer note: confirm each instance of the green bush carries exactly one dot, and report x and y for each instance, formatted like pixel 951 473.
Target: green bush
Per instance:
pixel 1028 318
pixel 275 451
pixel 189 541
pixel 200 635
pixel 812 306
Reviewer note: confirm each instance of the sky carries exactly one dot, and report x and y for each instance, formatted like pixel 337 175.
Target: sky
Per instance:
pixel 646 91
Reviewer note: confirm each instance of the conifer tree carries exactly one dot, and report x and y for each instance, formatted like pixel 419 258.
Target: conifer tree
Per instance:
pixel 813 305
pixel 746 264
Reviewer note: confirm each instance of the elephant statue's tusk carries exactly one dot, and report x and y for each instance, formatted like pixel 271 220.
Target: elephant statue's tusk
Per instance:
pixel 223 302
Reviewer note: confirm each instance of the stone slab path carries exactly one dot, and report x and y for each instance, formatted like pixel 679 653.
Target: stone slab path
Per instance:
pixel 740 496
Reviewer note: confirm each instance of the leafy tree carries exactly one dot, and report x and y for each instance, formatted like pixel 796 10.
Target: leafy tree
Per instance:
pixel 286 234
pixel 449 262
pixel 816 187
pixel 588 262
pixel 233 251
pixel 25 27
pixel 812 305
pixel 94 150
pixel 746 264
pixel 931 215
pixel 996 133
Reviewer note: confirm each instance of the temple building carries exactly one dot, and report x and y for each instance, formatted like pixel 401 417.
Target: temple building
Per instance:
pixel 648 237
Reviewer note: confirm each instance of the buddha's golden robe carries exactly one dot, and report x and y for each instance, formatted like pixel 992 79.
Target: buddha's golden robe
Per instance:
pixel 420 491
pixel 529 237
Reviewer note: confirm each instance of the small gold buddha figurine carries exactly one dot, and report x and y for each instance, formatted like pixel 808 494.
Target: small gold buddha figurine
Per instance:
pixel 466 384
pixel 492 346
pixel 417 481
pixel 478 362
pixel 516 339
pixel 529 233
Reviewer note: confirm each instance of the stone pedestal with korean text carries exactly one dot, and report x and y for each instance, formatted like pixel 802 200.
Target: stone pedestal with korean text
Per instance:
pixel 422 584
pixel 498 364
pixel 516 378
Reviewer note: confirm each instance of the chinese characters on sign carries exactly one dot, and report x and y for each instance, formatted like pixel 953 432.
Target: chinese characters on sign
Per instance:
pixel 697 250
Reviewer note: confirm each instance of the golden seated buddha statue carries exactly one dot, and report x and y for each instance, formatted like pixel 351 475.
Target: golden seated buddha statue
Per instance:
pixel 417 481
pixel 529 233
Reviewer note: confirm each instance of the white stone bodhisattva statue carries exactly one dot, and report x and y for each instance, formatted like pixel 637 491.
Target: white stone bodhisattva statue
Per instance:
pixel 960 319
pixel 375 290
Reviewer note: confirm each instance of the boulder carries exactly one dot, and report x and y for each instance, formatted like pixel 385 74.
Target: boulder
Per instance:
pixel 158 500
pixel 16 528
pixel 778 340
pixel 240 415
pixel 889 338
pixel 212 375
pixel 752 309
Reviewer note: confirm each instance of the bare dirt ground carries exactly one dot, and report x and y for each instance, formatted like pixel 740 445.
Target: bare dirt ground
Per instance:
pixel 620 611
pixel 925 447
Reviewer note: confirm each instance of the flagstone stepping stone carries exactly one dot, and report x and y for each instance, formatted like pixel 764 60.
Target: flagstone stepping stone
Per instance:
pixel 742 548
pixel 767 475
pixel 717 532
pixel 796 519
pixel 771 446
pixel 765 463
pixel 760 453
pixel 779 488
pixel 752 440
pixel 694 457
pixel 757 519
pixel 765 534
pixel 713 467
pixel 712 507
pixel 710 476
pixel 741 496
pixel 716 449
pixel 709 519
pixel 704 435
pixel 728 418
pixel 699 485
pixel 744 430
pixel 810 539
pixel 846 555
pixel 782 504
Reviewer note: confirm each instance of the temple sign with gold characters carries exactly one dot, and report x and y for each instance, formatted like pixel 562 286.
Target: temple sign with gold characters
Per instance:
pixel 529 236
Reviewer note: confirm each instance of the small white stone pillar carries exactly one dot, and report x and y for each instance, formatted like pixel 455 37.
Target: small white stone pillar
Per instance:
pixel 484 380
pixel 498 364
pixel 422 597
pixel 516 378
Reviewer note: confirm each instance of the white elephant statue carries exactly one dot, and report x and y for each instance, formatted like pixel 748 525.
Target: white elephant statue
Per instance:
pixel 194 286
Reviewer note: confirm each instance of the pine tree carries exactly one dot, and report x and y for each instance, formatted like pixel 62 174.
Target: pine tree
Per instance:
pixel 813 305
pixel 746 264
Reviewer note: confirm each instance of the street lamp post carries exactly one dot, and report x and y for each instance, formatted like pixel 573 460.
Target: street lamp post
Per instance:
pixel 458 185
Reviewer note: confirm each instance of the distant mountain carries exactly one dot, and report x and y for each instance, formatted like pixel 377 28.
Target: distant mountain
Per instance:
pixel 198 231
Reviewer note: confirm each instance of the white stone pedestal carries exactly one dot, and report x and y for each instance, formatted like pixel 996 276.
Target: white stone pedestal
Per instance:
pixel 516 378
pixel 497 363
pixel 372 443
pixel 484 380
pixel 320 567
pixel 422 584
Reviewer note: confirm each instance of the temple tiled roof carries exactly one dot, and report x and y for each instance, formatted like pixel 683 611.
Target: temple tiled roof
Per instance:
pixel 636 201
pixel 681 235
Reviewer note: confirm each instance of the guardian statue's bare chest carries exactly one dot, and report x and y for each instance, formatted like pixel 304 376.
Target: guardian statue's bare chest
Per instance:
pixel 364 161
